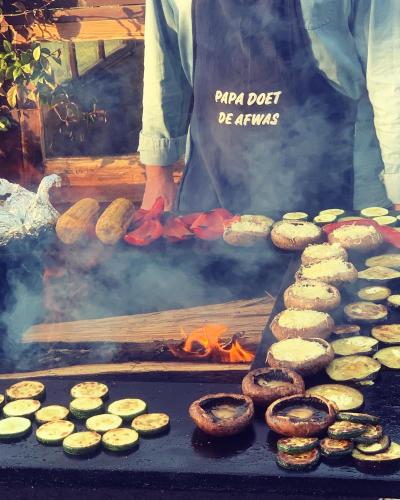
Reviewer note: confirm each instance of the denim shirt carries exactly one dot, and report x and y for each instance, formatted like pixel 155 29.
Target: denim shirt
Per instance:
pixel 356 44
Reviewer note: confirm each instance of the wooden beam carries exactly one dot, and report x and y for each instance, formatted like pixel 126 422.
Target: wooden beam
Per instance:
pixel 202 372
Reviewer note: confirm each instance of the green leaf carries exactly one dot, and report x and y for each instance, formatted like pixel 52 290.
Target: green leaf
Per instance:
pixel 27 68
pixel 57 60
pixel 16 73
pixel 46 51
pixel 37 52
pixel 12 96
pixel 9 72
pixel 7 46
pixel 25 58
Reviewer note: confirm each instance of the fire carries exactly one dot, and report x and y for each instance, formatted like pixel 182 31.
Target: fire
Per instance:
pixel 205 343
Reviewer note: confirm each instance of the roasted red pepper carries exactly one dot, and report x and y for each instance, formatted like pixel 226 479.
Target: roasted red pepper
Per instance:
pixel 210 225
pixel 148 232
pixel 155 212
pixel 176 230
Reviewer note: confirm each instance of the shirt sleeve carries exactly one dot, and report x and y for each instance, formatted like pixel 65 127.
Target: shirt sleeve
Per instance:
pixel 167 93
pixel 383 84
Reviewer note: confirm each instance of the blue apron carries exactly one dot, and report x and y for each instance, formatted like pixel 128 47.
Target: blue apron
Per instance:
pixel 268 134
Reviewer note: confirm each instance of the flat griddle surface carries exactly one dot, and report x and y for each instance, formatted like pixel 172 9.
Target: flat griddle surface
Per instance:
pixel 186 459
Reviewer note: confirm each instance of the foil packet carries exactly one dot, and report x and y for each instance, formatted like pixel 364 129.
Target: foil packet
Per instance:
pixel 24 213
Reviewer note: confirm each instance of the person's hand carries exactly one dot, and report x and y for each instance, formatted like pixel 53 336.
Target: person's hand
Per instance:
pixel 159 182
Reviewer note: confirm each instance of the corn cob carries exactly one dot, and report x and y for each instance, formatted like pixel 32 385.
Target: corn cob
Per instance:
pixel 77 221
pixel 114 221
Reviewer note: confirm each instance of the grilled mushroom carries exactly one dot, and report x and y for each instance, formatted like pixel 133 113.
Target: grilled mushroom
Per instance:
pixel 356 237
pixel 295 235
pixel 266 385
pixel 313 295
pixel 300 416
pixel 222 414
pixel 292 323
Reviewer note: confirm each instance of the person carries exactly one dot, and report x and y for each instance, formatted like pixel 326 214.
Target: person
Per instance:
pixel 273 102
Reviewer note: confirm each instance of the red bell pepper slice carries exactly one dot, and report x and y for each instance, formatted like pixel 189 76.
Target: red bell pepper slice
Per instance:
pixel 210 225
pixel 148 232
pixel 176 230
pixel 188 219
pixel 155 212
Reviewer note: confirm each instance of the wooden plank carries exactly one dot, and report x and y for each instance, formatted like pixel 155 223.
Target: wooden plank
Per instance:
pixel 95 3
pixel 73 62
pixel 203 372
pixel 97 14
pixel 31 145
pixel 159 328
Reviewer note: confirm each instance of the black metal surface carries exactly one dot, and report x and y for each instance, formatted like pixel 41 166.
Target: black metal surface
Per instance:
pixel 186 459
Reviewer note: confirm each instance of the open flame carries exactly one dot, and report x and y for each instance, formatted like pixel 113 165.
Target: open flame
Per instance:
pixel 205 343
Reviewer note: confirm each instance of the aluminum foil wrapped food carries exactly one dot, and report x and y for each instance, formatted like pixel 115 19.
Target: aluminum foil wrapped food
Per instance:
pixel 26 213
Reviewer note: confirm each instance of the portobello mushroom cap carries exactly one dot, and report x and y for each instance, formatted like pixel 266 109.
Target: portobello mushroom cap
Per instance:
pixel 313 295
pixel 304 356
pixel 266 385
pixel 222 414
pixel 332 271
pixel 323 251
pixel 248 230
pixel 292 323
pixel 295 235
pixel 356 237
pixel 300 416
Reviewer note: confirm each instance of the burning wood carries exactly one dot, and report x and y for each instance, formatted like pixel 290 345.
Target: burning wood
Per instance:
pixel 206 343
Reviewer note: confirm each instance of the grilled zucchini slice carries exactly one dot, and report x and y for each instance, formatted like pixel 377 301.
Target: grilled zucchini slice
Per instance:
pixel 51 413
pixel 389 357
pixel 374 448
pixel 89 390
pixel 26 389
pixel 365 312
pixel 14 427
pixel 127 409
pixel 354 345
pixel 378 273
pixel 353 368
pixel 345 398
pixel 295 216
pixel 388 334
pixel 385 220
pixel 54 432
pixel 345 331
pixel 323 219
pixel 346 430
pixel 392 454
pixel 374 212
pixel 337 212
pixel 391 260
pixel 21 408
pixel 121 439
pixel 151 423
pixel 85 407
pixel 82 443
pixel 301 461
pixel 374 293
pixel 359 418
pixel 334 448
pixel 1 400
pixel 296 444
pixel 372 434
pixel 103 423
pixel 394 301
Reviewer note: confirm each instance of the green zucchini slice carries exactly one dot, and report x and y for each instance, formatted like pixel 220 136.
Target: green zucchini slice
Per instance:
pixel 26 389
pixel 151 423
pixel 85 407
pixel 345 398
pixel 385 220
pixel 1 400
pixel 21 408
pixel 374 448
pixel 388 334
pixel 345 331
pixel 359 418
pixel 390 455
pixel 345 430
pixel 389 357
pixel 372 434
pixel 54 432
pixel 127 409
pixel 374 212
pixel 378 273
pixel 365 312
pixel 89 390
pixel 51 413
pixel 323 219
pixel 353 368
pixel 394 301
pixel 391 260
pixel 301 461
pixel 14 427
pixel 336 447
pixel 121 439
pixel 337 212
pixel 295 216
pixel 374 293
pixel 296 444
pixel 103 423
pixel 354 345
pixel 82 443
